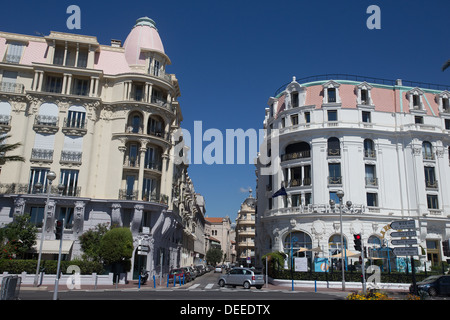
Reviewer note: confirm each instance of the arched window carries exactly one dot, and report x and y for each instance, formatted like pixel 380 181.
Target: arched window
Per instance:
pixel 369 149
pixel 427 150
pixel 48 114
pixel 76 117
pixel 298 242
pixel 334 147
pixel 297 150
pixel 134 124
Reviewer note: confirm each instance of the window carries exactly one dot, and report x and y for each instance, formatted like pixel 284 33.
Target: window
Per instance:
pixel 334 170
pixel 331 95
pixel 80 87
pixel 416 101
pixel 58 57
pixel 8 83
pixel 294 96
pixel 155 126
pixel 82 58
pixel 156 68
pixel 150 189
pixel 76 119
pixel 366 116
pixel 372 199
pixel 152 159
pixel 69 179
pixel 37 216
pixel 332 115
pixel 138 92
pixel 432 201
pixel 334 197
pixel 369 149
pixel 294 119
pixel 130 187
pixel 427 151
pixel 447 124
pixel 308 197
pixel 14 52
pixel 296 200
pixel 430 178
pixel 371 179
pixel 334 147
pixel 38 175
pixel 307 117
pixel 54 84
pixel 446 104
pixel 418 119
pixel 66 213
pixel 364 96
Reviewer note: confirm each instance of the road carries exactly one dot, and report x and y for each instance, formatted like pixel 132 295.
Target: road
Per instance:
pixel 204 287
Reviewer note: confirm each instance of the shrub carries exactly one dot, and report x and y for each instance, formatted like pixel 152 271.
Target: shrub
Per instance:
pixel 29 266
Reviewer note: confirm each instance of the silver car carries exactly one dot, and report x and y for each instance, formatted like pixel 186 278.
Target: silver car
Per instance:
pixel 242 277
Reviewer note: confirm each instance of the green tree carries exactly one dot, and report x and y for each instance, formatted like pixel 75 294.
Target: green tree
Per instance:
pixel 214 256
pixel 5 148
pixel 90 242
pixel 116 247
pixel 17 237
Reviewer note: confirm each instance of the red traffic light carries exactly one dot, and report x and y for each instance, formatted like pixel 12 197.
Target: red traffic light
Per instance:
pixel 357 236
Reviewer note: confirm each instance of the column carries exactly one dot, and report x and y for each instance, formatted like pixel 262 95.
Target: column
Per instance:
pixel 69 84
pixel 78 217
pixel 116 214
pixel 137 219
pixel 142 151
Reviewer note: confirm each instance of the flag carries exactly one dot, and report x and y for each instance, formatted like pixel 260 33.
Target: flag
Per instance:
pixel 281 192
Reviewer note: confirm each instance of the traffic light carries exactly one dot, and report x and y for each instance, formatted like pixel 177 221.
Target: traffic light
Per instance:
pixel 357 241
pixel 58 229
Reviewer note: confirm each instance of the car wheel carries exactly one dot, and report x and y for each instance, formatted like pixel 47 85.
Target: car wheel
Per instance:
pixel 221 283
pixel 246 285
pixel 432 292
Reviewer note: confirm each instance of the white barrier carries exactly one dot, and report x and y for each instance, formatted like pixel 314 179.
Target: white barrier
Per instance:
pixel 75 279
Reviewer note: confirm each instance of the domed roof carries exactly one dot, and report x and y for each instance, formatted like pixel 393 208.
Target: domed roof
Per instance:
pixel 144 35
pixel 250 201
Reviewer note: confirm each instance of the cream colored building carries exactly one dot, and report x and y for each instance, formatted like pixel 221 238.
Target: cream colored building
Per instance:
pixel 104 118
pixel 245 232
pixel 220 229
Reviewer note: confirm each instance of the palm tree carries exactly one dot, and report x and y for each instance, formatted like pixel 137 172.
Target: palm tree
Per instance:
pixel 446 65
pixel 5 148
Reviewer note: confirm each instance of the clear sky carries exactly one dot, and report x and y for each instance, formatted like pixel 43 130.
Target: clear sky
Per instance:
pixel 231 56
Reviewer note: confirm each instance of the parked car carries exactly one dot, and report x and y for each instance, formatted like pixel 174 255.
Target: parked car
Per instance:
pixel 434 285
pixel 201 269
pixel 193 271
pixel 218 269
pixel 188 274
pixel 242 277
pixel 178 272
pixel 209 268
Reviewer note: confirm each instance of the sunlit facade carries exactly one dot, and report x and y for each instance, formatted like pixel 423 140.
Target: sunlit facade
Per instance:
pixel 384 143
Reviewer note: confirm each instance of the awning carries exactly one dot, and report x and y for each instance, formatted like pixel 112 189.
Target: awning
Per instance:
pixel 52 246
pixel 348 254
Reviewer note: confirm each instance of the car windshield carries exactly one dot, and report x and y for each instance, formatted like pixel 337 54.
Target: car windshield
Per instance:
pixel 177 271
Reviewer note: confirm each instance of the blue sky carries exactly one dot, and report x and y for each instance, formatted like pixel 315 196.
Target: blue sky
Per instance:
pixel 230 56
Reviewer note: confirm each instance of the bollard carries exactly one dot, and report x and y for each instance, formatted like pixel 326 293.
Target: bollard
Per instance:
pixel 154 282
pixel 315 285
pixel 180 281
pixel 139 285
pixel 167 281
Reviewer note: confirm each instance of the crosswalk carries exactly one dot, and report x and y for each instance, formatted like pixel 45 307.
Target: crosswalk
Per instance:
pixel 200 286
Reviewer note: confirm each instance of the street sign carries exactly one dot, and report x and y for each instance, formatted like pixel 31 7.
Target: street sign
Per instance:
pixel 406 251
pixel 403 224
pixel 403 242
pixel 404 234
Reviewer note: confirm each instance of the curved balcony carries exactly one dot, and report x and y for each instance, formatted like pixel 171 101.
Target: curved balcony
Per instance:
pixel 296 155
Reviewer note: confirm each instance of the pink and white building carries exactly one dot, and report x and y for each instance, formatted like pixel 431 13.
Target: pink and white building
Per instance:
pixel 385 144
pixel 102 117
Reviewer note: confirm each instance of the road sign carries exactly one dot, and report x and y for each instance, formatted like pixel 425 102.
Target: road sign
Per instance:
pixel 403 224
pixel 406 251
pixel 404 234
pixel 403 242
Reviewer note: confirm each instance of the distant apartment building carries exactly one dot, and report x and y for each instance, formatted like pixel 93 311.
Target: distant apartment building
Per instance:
pixel 245 232
pixel 376 149
pixel 220 231
pixel 102 118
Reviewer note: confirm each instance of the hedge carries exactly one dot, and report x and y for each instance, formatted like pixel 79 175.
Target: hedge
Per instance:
pixel 29 266
pixel 393 277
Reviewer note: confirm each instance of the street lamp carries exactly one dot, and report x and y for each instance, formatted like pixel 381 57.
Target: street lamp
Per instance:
pixel 340 195
pixel 50 177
